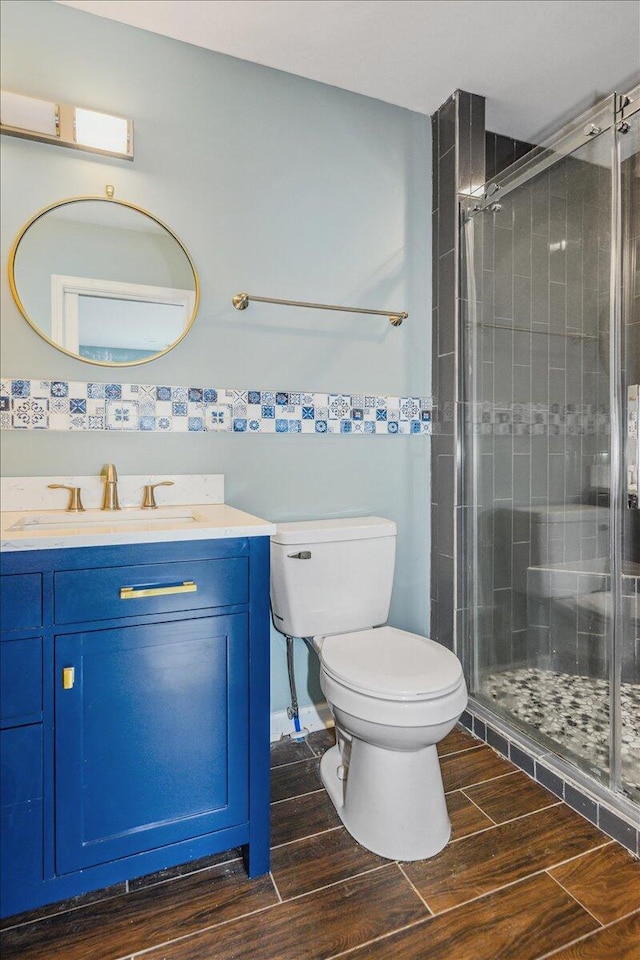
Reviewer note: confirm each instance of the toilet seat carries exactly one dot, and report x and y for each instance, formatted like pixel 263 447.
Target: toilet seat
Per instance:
pixel 391 664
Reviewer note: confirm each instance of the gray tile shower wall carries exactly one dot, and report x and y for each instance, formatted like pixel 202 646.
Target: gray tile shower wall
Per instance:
pixel 459 166
pixel 543 421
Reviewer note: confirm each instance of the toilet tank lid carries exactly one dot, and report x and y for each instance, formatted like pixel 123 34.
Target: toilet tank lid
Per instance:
pixel 330 531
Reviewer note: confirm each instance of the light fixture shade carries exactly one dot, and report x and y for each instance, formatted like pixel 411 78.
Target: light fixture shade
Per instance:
pixel 29 114
pixel 31 118
pixel 101 131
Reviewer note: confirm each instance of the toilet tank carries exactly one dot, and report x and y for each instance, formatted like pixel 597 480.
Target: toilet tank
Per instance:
pixel 332 576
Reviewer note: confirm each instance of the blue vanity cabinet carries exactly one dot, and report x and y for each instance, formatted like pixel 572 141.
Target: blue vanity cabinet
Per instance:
pixel 135 713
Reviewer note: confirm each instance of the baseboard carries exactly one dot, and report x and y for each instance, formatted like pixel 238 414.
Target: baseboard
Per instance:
pixel 314 717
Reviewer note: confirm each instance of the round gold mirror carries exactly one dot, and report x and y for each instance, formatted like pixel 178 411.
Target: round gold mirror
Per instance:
pixel 104 281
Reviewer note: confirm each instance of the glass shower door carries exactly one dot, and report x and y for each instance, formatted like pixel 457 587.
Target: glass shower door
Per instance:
pixel 626 773
pixel 553 583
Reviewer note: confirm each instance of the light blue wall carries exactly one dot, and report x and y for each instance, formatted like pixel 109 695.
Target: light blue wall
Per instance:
pixel 277 185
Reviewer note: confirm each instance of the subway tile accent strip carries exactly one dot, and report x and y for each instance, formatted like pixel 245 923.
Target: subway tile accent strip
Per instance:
pixel 70 405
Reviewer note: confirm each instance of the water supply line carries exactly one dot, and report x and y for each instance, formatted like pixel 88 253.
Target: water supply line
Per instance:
pixel 293 711
pixel 299 732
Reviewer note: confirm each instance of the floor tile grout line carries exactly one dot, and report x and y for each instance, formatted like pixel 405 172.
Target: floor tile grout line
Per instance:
pixel 573 897
pixel 292 763
pixel 478 807
pixel 383 936
pixel 586 936
pixel 478 783
pixel 128 893
pixel 275 885
pixel 493 825
pixel 583 853
pixel 414 888
pixel 335 883
pixel 455 753
pixel 297 796
pixel 308 836
pixel 505 886
pixel 195 933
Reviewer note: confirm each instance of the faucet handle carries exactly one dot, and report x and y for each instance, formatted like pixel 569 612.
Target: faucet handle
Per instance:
pixel 75 499
pixel 149 497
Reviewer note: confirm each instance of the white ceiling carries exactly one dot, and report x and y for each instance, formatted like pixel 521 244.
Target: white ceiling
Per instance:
pixel 538 62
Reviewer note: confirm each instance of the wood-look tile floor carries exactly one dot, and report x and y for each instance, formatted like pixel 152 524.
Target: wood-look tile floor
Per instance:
pixel 523 878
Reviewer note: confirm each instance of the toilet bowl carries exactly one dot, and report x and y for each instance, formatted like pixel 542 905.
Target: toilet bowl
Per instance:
pixel 383 775
pixel 393 694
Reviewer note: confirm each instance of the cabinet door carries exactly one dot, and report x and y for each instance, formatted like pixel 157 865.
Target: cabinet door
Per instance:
pixel 151 736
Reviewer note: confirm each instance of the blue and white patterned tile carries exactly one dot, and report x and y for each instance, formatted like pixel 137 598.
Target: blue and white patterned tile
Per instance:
pixel 76 405
pixel 40 389
pixel 20 388
pixel 147 406
pixel 409 408
pixel 28 413
pixel 121 414
pixel 78 422
pixel 58 405
pixel 339 406
pixel 218 417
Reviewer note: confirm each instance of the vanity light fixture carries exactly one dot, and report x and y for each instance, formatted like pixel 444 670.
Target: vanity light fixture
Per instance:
pixel 47 121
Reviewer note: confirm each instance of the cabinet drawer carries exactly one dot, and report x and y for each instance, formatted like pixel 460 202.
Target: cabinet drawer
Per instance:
pixel 20 678
pixel 20 601
pixel 21 761
pixel 111 593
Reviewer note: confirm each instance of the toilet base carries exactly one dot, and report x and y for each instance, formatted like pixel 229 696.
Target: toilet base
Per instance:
pixel 391 801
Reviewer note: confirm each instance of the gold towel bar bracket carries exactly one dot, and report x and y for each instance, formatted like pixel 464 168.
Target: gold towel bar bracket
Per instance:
pixel 241 302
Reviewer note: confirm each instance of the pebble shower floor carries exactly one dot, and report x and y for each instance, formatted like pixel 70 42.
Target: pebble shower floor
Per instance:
pixel 574 712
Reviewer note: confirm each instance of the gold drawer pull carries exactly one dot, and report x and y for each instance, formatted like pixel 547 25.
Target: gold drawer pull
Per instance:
pixel 133 593
pixel 68 678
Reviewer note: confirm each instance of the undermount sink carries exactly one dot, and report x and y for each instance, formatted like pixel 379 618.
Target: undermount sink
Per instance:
pixel 94 518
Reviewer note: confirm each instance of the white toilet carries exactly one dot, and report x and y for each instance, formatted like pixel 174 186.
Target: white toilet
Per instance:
pixel 394 695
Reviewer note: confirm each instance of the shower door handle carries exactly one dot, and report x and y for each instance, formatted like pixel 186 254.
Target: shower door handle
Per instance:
pixel 633 445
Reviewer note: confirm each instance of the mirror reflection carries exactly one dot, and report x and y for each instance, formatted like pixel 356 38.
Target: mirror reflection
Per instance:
pixel 104 281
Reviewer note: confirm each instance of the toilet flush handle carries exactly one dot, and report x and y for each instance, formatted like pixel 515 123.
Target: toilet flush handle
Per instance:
pixel 303 555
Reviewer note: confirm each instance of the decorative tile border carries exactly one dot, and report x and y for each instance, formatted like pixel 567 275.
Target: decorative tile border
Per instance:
pixel 70 405
pixel 540 419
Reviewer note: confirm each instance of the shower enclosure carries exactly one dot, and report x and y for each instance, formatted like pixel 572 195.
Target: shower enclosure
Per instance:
pixel 549 447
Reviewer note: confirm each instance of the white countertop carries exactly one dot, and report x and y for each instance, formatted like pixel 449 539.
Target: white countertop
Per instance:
pixel 98 528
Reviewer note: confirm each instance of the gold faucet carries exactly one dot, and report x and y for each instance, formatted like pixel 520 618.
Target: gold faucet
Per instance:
pixel 110 499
